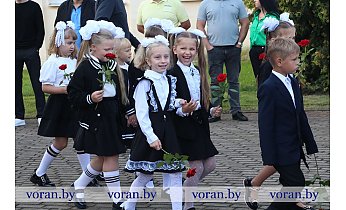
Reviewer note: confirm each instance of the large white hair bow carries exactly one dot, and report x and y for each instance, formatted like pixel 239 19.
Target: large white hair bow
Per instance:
pixel 60 34
pixel 270 23
pixel 159 38
pixel 286 17
pixel 117 32
pixel 178 30
pixel 165 24
pixel 91 27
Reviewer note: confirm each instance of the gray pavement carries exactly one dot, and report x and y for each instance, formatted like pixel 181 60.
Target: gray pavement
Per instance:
pixel 239 157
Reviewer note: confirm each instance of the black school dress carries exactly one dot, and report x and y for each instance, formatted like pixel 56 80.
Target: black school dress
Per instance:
pixel 192 131
pixel 143 158
pixel 99 123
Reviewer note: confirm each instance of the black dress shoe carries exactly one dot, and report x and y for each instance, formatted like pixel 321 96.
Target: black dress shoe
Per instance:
pixel 100 177
pixel 94 183
pixel 214 119
pixel 116 206
pixel 192 208
pixel 42 181
pixel 80 203
pixel 239 116
pixel 248 200
pixel 308 208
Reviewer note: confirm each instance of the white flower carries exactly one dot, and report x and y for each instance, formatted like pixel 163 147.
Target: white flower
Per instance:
pixel 198 32
pixel 176 30
pixel 89 29
pixel 286 17
pixel 166 25
pixel 71 25
pixel 270 23
pixel 61 25
pixel 152 22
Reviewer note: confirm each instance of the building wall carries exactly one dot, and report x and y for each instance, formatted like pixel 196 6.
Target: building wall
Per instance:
pixel 49 14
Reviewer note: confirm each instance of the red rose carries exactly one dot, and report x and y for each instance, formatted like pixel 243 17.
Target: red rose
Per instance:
pixel 304 43
pixel 262 56
pixel 110 55
pixel 63 67
pixel 191 172
pixel 221 77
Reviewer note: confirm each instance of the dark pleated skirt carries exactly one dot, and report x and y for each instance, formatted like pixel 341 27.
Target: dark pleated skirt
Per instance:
pixel 58 120
pixel 102 137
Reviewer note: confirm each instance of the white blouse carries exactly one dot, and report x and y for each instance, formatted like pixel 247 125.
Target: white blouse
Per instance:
pixel 193 80
pixel 141 105
pixel 50 73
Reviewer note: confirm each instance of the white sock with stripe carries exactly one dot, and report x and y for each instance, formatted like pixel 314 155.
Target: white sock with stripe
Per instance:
pixel 84 159
pixel 47 159
pixel 113 183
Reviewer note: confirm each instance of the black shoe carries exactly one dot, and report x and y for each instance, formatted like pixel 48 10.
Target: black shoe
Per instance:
pixel 192 208
pixel 308 207
pixel 80 203
pixel 94 183
pixel 100 177
pixel 251 204
pixel 214 119
pixel 42 181
pixel 116 206
pixel 239 116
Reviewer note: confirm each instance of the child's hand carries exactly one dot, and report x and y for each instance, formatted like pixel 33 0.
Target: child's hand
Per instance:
pixel 97 96
pixel 64 89
pixel 189 107
pixel 216 112
pixel 156 144
pixel 132 120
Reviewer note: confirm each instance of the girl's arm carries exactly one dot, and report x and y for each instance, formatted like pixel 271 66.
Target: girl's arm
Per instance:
pixel 142 110
pixel 50 89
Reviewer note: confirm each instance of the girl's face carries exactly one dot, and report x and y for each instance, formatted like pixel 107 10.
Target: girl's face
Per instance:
pixel 159 58
pixel 258 4
pixel 186 50
pixel 68 48
pixel 101 49
pixel 289 33
pixel 124 54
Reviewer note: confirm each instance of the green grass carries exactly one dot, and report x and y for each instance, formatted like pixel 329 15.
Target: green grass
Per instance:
pixel 248 98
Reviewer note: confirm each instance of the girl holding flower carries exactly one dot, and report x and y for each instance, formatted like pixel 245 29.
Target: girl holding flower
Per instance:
pixel 98 91
pixel 57 120
pixel 191 120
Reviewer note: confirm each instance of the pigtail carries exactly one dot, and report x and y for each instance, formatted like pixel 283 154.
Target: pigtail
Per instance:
pixel 172 38
pixel 139 59
pixel 83 51
pixel 202 64
pixel 124 99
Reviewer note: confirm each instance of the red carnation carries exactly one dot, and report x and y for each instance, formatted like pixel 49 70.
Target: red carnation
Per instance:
pixel 262 56
pixel 221 77
pixel 63 67
pixel 110 55
pixel 191 172
pixel 304 43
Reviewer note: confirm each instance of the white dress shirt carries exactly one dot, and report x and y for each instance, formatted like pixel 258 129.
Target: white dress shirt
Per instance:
pixel 141 105
pixel 193 80
pixel 287 82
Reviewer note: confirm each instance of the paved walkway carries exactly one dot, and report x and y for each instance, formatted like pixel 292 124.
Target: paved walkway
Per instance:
pixel 239 157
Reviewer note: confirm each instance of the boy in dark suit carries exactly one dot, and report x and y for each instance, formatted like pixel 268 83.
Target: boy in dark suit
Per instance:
pixel 283 124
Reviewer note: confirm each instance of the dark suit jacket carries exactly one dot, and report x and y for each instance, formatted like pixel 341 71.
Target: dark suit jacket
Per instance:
pixel 283 129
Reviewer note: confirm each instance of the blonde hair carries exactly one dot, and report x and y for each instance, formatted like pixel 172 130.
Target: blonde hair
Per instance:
pixel 144 53
pixel 68 33
pixel 281 47
pixel 84 52
pixel 121 43
pixel 174 40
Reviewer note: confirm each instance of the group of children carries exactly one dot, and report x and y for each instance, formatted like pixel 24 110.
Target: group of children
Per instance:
pixel 160 103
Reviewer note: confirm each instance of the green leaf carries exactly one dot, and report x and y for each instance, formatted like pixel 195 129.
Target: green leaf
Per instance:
pixel 233 90
pixel 160 164
pixel 214 88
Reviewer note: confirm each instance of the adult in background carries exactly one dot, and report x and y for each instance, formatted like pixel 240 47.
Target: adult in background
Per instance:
pixel 29 38
pixel 162 9
pixel 223 44
pixel 114 11
pixel 264 9
pixel 77 11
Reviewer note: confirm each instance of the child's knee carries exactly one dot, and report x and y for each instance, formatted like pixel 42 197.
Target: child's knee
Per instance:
pixel 60 143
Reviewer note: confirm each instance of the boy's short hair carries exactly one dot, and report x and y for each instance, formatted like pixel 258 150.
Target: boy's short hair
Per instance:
pixel 281 47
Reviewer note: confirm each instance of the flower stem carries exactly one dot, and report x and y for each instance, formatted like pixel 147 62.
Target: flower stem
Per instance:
pixel 164 151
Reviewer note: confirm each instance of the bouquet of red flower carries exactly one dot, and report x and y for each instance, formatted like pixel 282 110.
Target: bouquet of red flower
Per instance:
pixel 303 59
pixel 262 56
pixel 107 72
pixel 219 92
pixel 177 161
pixel 63 67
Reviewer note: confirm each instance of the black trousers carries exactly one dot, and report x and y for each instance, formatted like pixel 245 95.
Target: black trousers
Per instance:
pixel 290 176
pixel 254 53
pixel 32 61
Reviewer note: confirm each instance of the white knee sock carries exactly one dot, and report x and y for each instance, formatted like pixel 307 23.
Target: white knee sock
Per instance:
pixel 113 183
pixel 176 191
pixel 140 181
pixel 47 159
pixel 85 178
pixel 165 181
pixel 84 159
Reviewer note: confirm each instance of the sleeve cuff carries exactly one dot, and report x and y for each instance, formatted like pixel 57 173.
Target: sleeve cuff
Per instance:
pixel 152 138
pixel 88 98
pixel 130 112
pixel 180 112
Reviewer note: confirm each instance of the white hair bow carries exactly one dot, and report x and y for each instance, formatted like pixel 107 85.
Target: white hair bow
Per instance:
pixel 165 24
pixel 286 17
pixel 89 29
pixel 159 38
pixel 60 34
pixel 178 30
pixel 270 23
